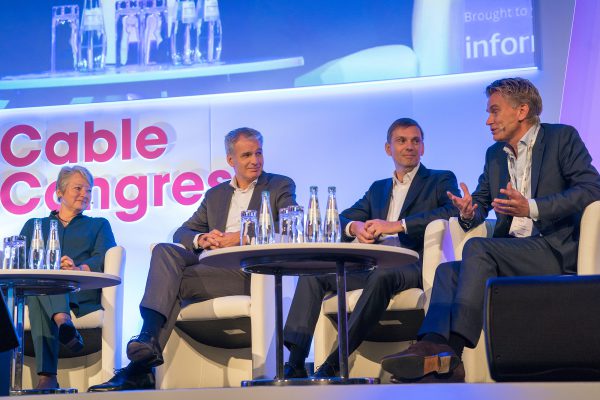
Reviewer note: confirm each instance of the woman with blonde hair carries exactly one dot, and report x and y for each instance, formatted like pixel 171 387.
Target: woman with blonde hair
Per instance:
pixel 84 241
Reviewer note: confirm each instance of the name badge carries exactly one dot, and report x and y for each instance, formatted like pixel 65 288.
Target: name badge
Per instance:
pixel 521 227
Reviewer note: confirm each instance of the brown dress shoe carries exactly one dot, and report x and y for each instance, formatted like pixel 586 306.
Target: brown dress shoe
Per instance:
pixel 455 376
pixel 421 359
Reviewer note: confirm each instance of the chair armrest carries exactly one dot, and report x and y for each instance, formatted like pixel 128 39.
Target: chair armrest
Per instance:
pixel 437 248
pixel 588 259
pixel 112 302
pixel 460 237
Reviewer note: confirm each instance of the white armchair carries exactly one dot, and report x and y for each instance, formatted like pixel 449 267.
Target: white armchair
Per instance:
pixel 222 341
pixel 588 256
pixel 102 333
pixel 401 321
pixel 476 363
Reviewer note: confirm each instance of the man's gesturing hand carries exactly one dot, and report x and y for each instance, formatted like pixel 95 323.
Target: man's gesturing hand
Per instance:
pixel 464 204
pixel 515 205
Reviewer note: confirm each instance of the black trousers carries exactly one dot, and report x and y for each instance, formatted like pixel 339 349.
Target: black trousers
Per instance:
pixel 458 291
pixel 379 285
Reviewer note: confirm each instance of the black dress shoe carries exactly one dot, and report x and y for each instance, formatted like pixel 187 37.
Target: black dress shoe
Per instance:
pixel 131 377
pixel 144 349
pixel 421 359
pixel 325 371
pixel 290 372
pixel 70 337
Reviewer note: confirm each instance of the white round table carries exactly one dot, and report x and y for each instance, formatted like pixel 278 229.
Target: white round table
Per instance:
pixel 20 283
pixel 280 259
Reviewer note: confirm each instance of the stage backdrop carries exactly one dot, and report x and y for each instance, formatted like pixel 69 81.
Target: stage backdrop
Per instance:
pixel 154 159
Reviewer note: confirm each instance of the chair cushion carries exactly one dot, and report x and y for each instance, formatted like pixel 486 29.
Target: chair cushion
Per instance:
pixel 219 308
pixel 406 300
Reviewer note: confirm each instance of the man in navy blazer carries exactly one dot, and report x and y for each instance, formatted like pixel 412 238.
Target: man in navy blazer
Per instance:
pixel 538 178
pixel 175 274
pixel 396 211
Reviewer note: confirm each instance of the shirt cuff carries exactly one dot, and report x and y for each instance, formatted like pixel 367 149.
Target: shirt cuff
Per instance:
pixel 534 213
pixel 347 230
pixel 403 222
pixel 195 243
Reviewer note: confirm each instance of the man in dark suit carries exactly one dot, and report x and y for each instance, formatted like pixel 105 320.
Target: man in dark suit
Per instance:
pixel 538 178
pixel 394 210
pixel 175 274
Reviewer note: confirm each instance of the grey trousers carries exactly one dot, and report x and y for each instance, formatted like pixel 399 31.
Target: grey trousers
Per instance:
pixel 44 331
pixel 176 278
pixel 457 297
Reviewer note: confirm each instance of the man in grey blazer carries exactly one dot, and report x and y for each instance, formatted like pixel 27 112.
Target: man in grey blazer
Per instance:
pixel 538 178
pixel 175 274
pixel 395 210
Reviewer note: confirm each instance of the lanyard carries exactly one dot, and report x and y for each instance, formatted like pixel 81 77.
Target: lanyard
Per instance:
pixel 512 166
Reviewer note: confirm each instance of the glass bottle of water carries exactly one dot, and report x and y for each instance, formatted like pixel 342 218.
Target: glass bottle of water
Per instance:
pixel 312 229
pixel 128 21
pixel 183 33
pixel 155 32
pixel 332 230
pixel 92 37
pixel 53 248
pixel 266 229
pixel 36 248
pixel 209 31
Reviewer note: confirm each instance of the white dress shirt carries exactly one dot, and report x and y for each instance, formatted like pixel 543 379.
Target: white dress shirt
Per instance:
pixel 398 196
pixel 519 169
pixel 239 202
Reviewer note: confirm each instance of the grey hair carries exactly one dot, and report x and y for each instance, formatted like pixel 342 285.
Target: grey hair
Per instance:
pixel 518 91
pixel 66 172
pixel 235 134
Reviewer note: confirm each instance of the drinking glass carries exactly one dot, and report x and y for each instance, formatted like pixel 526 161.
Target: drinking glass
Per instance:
pixel 285 224
pixel 65 26
pixel 296 216
pixel 6 249
pixel 249 227
pixel 18 255
pixel 92 37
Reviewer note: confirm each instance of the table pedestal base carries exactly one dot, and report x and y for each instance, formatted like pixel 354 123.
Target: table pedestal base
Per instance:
pixel 310 381
pixel 26 392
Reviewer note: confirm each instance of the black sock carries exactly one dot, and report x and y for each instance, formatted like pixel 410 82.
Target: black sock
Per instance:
pixel 153 321
pixel 138 369
pixel 458 343
pixel 296 359
pixel 334 360
pixel 434 338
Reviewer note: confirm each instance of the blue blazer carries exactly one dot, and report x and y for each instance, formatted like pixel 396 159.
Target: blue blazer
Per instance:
pixel 425 201
pixel 563 183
